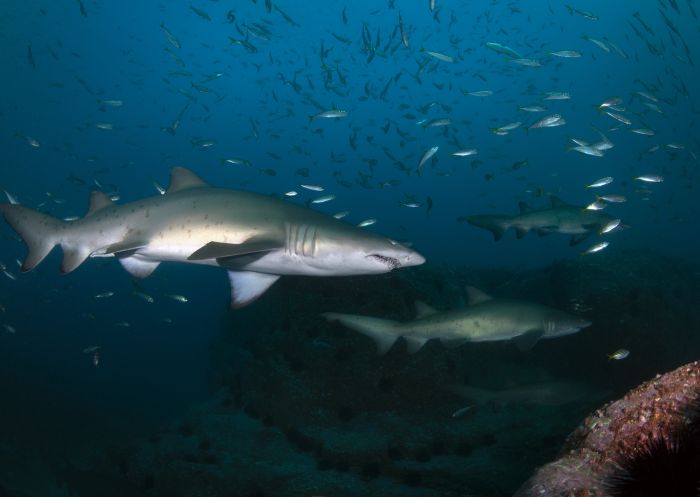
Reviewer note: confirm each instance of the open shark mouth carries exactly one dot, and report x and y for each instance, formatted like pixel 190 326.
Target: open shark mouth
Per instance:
pixel 390 262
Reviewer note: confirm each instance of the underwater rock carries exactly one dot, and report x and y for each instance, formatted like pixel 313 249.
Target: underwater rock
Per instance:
pixel 647 428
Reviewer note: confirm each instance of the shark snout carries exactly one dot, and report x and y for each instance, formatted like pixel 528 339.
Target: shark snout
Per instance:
pixel 413 258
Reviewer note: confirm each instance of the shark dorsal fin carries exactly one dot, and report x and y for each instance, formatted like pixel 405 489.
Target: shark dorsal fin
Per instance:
pixel 476 296
pixel 557 202
pixel 423 309
pixel 98 201
pixel 524 207
pixel 183 179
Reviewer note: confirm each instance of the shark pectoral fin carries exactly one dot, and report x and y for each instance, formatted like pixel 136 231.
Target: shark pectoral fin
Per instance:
pixel 520 232
pixel 246 286
pixel 184 179
pixel 138 268
pixel 423 309
pixel 527 340
pixel 576 239
pixel 476 296
pixel 414 344
pixel 218 250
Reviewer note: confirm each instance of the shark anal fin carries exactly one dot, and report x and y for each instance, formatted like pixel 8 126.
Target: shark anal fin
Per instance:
pixel 524 207
pixel 246 286
pixel 476 296
pixel 423 309
pixel 576 239
pixel 98 201
pixel 414 344
pixel 527 340
pixel 184 179
pixel 73 257
pixel 557 202
pixel 137 267
pixel 218 250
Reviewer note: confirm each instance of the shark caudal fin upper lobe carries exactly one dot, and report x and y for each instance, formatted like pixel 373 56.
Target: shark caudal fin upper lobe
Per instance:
pixel 38 231
pixel 494 223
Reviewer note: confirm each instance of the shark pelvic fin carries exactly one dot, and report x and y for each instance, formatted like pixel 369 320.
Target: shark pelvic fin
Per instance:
pixel 137 267
pixel 423 309
pixel 476 296
pixel 246 286
pixel 124 247
pixel 520 232
pixel 184 179
pixel 217 250
pixel 98 201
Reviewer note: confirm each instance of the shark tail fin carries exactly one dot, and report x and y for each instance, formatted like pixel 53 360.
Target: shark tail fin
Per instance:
pixel 383 331
pixel 38 231
pixel 496 224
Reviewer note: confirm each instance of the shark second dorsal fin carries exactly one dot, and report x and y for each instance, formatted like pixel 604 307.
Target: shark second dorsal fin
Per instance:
pixel 524 207
pixel 423 309
pixel 98 201
pixel 184 179
pixel 557 202
pixel 476 296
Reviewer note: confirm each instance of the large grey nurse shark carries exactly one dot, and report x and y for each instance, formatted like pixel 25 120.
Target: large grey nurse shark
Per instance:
pixel 256 238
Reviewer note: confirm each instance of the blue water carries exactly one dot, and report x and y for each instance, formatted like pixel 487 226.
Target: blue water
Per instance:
pixel 152 370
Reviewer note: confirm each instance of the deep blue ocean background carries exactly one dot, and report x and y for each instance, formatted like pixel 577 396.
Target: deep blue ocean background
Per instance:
pixel 56 403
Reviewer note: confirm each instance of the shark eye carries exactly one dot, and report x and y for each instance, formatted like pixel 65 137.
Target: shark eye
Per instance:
pixel 389 261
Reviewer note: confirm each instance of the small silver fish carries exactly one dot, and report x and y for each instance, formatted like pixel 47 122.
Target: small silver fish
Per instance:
pixel 595 248
pixel 650 178
pixel 601 182
pixel 618 355
pixel 367 222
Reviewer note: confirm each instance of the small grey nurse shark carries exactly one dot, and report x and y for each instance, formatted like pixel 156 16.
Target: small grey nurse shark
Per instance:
pixel 485 319
pixel 560 217
pixel 256 238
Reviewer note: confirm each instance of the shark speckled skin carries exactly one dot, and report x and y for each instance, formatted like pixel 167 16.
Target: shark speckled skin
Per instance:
pixel 561 217
pixel 256 237
pixel 484 320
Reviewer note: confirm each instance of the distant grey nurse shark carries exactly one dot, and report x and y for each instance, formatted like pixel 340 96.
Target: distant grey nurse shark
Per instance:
pixel 256 237
pixel 485 319
pixel 561 217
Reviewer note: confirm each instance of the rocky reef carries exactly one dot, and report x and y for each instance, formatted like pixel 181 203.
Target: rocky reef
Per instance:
pixel 647 443
pixel 304 407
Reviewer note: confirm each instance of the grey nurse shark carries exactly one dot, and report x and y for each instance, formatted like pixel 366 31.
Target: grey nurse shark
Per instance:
pixel 560 217
pixel 485 319
pixel 256 237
